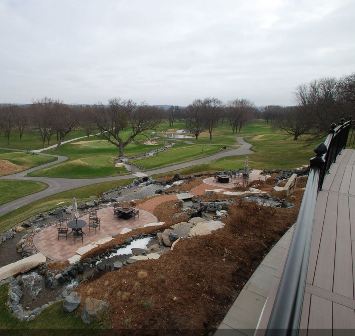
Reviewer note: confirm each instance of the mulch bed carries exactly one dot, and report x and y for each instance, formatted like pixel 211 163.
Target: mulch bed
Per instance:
pixel 193 286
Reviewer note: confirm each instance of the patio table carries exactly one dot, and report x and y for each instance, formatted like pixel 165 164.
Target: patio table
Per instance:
pixel 76 224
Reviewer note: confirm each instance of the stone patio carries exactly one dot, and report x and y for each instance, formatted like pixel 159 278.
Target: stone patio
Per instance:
pixel 255 175
pixel 46 241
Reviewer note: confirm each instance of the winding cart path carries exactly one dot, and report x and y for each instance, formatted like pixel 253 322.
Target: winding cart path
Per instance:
pixel 57 185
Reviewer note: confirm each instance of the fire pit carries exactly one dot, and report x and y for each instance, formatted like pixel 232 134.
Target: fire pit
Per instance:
pixel 126 212
pixel 222 178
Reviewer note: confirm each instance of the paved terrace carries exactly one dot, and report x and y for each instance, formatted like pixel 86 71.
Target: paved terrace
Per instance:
pixel 329 296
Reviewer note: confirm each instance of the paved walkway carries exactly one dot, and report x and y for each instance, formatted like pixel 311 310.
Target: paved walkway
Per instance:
pixel 63 143
pixel 57 185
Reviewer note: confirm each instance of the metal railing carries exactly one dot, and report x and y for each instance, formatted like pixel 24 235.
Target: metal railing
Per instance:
pixel 286 313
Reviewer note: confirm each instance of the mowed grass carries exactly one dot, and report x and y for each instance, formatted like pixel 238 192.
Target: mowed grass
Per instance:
pixel 176 155
pixel 12 189
pixel 90 158
pixel 95 157
pixel 13 162
pixel 190 149
pixel 32 140
pixel 53 317
pixel 273 149
pixel 64 198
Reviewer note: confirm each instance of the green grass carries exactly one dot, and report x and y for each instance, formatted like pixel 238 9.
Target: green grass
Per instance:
pixel 95 157
pixel 90 158
pixel 190 149
pixel 23 160
pixel 53 317
pixel 31 139
pixel 12 189
pixel 273 149
pixel 176 155
pixel 84 193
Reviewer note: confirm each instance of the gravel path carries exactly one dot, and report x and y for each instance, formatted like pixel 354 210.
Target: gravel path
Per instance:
pixel 57 185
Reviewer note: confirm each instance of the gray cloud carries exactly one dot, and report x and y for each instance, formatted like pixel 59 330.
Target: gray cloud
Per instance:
pixel 170 52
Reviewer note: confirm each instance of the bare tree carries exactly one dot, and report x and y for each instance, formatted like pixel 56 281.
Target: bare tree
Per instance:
pixel 271 112
pixel 212 113
pixel 293 120
pixel 194 118
pixel 346 94
pixel 320 99
pixel 239 112
pixel 174 112
pixel 86 119
pixel 7 120
pixel 43 113
pixel 64 120
pixel 122 120
pixel 21 119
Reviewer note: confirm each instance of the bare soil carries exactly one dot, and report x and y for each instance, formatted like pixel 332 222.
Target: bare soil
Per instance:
pixel 8 253
pixel 186 186
pixel 192 287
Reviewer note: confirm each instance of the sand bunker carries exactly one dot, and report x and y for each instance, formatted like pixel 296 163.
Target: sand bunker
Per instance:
pixel 89 142
pixel 7 167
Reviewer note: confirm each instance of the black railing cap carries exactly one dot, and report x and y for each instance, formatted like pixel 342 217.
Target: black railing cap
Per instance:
pixel 332 128
pixel 321 149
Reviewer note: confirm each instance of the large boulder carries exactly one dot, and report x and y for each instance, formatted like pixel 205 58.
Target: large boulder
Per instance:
pixel 182 229
pixel 71 302
pixel 22 266
pixel 93 310
pixel 205 228
pixel 32 283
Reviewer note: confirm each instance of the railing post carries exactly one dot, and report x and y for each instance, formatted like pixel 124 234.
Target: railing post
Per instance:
pixel 318 162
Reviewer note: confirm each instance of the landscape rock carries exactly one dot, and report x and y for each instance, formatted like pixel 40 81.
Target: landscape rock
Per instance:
pixel 182 229
pixel 205 228
pixel 149 256
pixel 195 220
pixel 159 237
pixel 19 228
pixel 138 251
pixel 166 237
pixel 71 302
pixel 22 266
pixel 154 248
pixel 32 283
pixel 93 310
pixel 14 297
pixel 117 265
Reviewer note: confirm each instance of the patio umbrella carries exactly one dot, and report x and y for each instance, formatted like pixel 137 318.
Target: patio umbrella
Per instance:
pixel 75 208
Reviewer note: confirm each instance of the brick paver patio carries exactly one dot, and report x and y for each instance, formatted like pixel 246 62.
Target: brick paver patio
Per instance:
pixel 46 241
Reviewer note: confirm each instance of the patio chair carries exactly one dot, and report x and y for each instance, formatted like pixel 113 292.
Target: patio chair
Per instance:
pixel 62 232
pixel 78 233
pixel 94 223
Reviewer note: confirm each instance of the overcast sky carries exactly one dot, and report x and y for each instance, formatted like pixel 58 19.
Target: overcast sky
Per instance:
pixel 171 51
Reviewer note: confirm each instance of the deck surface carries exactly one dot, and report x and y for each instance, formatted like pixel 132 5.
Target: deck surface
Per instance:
pixel 329 296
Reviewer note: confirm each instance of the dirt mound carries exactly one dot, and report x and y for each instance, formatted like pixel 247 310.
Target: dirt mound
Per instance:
pixel 7 167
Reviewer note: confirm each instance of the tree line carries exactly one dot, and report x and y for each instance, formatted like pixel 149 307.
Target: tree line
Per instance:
pixel 319 104
pixel 120 121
